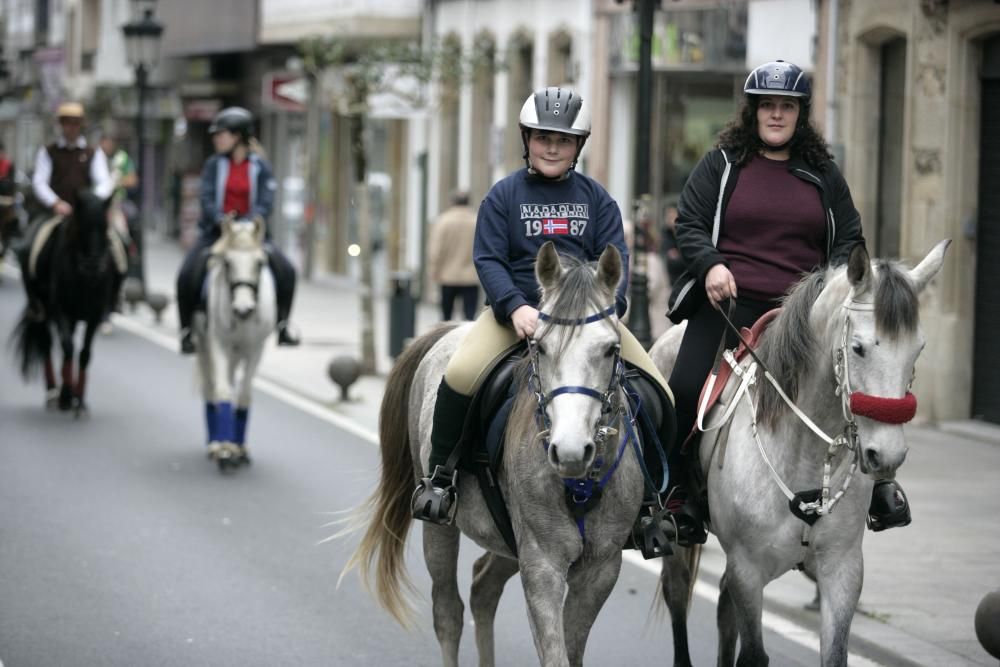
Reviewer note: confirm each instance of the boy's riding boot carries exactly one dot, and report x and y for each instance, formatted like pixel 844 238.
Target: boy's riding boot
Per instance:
pixel 435 497
pixel 889 507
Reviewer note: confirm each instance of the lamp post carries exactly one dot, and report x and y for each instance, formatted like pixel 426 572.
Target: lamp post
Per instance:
pixel 142 48
pixel 642 208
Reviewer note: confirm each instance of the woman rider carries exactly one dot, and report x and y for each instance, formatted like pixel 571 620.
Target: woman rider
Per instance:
pixel 235 181
pixel 764 207
pixel 510 229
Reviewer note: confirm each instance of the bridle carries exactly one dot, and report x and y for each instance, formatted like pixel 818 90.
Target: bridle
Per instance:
pixel 812 504
pixel 583 494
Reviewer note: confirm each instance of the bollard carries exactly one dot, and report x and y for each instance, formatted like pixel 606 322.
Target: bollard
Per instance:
pixel 157 302
pixel 132 289
pixel 344 371
pixel 402 312
pixel 988 623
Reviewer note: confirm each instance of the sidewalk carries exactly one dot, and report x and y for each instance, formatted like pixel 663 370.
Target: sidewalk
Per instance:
pixel 922 583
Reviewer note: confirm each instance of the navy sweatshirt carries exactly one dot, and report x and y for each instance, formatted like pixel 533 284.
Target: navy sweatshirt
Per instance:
pixel 522 212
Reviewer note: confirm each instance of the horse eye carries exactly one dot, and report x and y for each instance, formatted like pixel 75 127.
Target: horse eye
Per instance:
pixel 540 348
pixel 612 350
pixel 859 349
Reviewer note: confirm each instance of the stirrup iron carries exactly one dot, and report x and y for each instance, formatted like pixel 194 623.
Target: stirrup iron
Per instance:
pixel 436 497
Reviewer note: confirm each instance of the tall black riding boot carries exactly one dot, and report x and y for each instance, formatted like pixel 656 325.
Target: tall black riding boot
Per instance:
pixel 435 497
pixel 889 507
pixel 284 285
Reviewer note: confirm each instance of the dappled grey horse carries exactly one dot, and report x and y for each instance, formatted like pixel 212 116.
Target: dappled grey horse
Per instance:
pixel 557 435
pixel 842 351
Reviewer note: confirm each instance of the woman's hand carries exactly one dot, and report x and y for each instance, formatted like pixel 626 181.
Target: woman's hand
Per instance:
pixel 719 284
pixel 525 320
pixel 63 208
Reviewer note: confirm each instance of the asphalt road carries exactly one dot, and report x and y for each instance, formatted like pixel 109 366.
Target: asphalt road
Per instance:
pixel 120 544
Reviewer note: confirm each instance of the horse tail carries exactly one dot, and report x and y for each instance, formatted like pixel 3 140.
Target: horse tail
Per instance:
pixel 693 563
pixel 31 341
pixel 387 512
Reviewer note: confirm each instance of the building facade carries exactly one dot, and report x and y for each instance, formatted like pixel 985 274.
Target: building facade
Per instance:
pixel 916 101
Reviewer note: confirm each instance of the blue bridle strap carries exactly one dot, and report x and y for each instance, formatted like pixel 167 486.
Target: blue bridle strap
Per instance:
pixel 596 317
pixel 574 389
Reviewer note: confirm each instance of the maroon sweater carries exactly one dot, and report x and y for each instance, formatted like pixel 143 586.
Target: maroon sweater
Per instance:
pixel 774 229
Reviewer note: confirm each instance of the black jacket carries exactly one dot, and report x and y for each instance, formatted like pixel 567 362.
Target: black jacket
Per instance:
pixel 702 210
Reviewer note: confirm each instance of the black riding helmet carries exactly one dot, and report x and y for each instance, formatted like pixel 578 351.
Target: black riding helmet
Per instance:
pixel 237 120
pixel 778 78
pixel 557 110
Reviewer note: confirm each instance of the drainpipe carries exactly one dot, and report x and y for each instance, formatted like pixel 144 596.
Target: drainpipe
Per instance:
pixel 831 72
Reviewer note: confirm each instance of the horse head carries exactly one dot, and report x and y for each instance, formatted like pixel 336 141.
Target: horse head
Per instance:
pixel 241 252
pixel 575 353
pixel 876 340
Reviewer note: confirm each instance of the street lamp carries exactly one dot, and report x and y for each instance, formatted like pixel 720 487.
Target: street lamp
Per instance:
pixel 142 49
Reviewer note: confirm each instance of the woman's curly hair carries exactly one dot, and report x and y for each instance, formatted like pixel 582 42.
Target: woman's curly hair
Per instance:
pixel 741 135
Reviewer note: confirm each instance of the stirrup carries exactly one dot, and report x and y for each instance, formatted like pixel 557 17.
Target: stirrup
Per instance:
pixel 649 537
pixel 435 498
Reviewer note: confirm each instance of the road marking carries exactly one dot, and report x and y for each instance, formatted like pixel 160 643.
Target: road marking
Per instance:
pixel 787 629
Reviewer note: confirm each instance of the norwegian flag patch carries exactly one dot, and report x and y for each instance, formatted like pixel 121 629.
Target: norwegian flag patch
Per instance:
pixel 555 226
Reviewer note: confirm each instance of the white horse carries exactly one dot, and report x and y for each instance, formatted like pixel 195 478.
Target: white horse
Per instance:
pixel 843 351
pixel 239 316
pixel 567 446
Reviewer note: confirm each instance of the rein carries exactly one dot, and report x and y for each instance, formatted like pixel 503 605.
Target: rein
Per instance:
pixel 810 505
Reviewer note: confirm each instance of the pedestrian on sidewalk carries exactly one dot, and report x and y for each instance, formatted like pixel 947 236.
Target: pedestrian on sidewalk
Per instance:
pixel 238 181
pixel 547 200
pixel 764 207
pixel 449 257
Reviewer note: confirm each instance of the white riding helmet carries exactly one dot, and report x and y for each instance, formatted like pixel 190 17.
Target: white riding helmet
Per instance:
pixel 556 109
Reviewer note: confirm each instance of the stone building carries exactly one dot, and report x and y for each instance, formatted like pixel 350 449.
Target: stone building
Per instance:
pixel 914 100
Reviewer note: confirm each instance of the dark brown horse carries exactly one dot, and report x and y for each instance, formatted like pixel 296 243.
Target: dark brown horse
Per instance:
pixel 71 282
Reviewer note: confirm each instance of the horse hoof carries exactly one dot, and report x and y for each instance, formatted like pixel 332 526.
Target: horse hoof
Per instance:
pixel 52 399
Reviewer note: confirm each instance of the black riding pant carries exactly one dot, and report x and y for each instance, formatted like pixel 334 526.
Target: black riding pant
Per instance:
pixel 470 300
pixel 191 277
pixel 697 352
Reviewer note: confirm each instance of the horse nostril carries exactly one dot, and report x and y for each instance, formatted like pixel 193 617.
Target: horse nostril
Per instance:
pixel 554 454
pixel 873 458
pixel 588 452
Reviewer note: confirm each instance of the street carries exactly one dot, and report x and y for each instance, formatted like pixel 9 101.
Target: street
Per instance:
pixel 120 544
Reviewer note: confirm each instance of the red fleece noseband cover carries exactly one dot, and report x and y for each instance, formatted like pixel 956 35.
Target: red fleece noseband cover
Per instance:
pixel 885 410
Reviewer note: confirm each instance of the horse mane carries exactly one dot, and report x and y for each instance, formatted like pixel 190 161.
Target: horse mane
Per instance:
pixel 790 340
pixel 897 309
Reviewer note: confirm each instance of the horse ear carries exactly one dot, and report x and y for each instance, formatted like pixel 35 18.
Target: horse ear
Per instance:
pixel 928 267
pixel 548 268
pixel 227 226
pixel 609 269
pixel 859 268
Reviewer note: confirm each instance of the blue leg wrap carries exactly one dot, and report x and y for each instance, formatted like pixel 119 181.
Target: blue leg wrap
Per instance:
pixel 224 425
pixel 210 420
pixel 242 415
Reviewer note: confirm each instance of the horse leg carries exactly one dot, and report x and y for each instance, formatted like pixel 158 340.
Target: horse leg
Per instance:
pixel 725 620
pixel 746 592
pixel 489 575
pixel 839 581
pixel 84 361
pixel 243 400
pixel 51 392
pixel 544 590
pixel 441 556
pixel 222 393
pixel 589 588
pixel 66 342
pixel 675 584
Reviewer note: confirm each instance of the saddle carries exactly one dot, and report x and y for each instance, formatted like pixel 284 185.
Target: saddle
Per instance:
pixel 482 440
pixel 725 371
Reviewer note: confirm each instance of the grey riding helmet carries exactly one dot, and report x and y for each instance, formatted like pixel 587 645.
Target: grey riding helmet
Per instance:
pixel 234 119
pixel 778 78
pixel 557 110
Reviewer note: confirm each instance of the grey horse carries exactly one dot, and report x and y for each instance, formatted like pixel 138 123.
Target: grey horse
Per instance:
pixel 567 569
pixel 843 351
